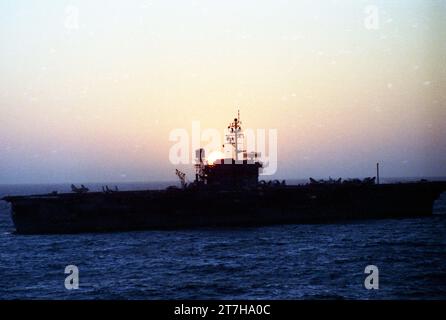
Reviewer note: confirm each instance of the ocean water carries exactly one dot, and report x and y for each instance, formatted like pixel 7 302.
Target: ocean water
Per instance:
pixel 276 262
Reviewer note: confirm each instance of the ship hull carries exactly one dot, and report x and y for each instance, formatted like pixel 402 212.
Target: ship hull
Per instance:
pixel 191 208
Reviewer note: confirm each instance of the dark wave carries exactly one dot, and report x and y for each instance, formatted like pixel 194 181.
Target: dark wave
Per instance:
pixel 279 262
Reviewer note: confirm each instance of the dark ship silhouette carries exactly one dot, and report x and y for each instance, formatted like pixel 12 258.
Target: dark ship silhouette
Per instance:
pixel 225 193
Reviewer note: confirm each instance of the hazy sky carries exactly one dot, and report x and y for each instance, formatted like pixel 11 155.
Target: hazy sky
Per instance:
pixel 89 90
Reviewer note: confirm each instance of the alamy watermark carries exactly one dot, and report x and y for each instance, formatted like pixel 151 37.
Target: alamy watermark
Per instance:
pixel 72 280
pixel 71 21
pixel 372 280
pixel 371 20
pixel 225 145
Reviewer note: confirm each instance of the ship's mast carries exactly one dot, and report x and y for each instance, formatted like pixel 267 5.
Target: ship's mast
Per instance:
pixel 235 133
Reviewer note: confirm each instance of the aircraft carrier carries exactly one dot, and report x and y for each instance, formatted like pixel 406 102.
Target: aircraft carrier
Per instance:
pixel 225 193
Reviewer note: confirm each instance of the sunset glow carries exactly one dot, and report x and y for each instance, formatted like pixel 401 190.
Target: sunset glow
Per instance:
pixel 89 90
pixel 214 156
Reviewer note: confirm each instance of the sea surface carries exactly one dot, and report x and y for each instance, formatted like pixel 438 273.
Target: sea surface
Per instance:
pixel 277 262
